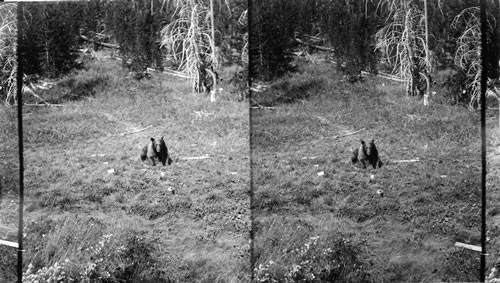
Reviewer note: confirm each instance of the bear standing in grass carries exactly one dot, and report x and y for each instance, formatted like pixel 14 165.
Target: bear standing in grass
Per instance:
pixel 162 150
pixel 366 153
pixel 372 155
pixel 150 152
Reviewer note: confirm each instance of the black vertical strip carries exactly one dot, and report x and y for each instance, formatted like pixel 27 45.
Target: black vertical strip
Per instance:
pixel 251 193
pixel 482 269
pixel 20 145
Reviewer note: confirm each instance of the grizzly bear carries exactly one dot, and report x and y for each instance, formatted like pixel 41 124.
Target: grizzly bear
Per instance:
pixel 150 151
pixel 162 150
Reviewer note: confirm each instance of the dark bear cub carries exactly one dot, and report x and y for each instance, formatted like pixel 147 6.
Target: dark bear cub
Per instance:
pixel 367 153
pixel 162 150
pixel 150 151
pixel 372 154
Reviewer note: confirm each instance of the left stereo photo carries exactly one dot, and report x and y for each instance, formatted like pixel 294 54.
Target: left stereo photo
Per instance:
pixel 136 141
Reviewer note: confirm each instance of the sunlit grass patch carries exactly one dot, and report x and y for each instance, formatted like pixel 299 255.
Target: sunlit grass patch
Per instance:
pixel 427 186
pixel 84 161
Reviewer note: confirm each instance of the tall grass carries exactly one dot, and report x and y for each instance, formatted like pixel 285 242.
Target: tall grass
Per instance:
pixel 85 176
pixel 406 235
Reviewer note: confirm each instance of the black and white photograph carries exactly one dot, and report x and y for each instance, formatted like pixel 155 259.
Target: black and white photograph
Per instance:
pixel 136 142
pixel 366 140
pixel 250 141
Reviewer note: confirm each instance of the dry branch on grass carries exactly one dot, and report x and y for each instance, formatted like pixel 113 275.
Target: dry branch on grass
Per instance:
pixel 346 135
pixel 200 114
pixel 195 157
pixel 468 246
pixel 176 74
pixel 406 161
pixel 134 132
pixel 259 106
pixel 44 105
pixel 9 244
pixel 258 87
pixel 263 107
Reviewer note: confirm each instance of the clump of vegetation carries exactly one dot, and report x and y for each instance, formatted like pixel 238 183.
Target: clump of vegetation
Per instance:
pixel 295 87
pixel 317 260
pixel 78 87
pixel 65 252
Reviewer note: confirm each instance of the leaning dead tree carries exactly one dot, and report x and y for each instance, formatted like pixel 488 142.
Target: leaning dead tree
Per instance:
pixel 243 20
pixel 190 41
pixel 402 42
pixel 8 47
pixel 468 54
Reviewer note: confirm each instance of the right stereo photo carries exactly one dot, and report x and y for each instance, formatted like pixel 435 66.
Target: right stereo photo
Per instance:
pixel 365 137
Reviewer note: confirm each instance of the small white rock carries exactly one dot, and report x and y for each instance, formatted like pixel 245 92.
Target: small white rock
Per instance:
pixel 172 190
pixel 111 171
pixel 322 173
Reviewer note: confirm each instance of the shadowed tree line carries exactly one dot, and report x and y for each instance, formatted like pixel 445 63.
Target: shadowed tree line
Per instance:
pixel 55 35
pixel 383 35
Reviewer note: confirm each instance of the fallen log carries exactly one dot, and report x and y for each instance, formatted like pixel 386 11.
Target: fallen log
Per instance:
pixel 109 45
pixel 314 46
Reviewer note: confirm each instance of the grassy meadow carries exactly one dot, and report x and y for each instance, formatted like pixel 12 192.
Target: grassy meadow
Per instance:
pixel 493 189
pixel 9 186
pixel 336 226
pixel 95 213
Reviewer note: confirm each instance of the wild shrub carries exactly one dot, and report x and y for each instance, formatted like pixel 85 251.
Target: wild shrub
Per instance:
pixel 83 85
pixel 330 260
pixel 291 89
pixel 79 250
